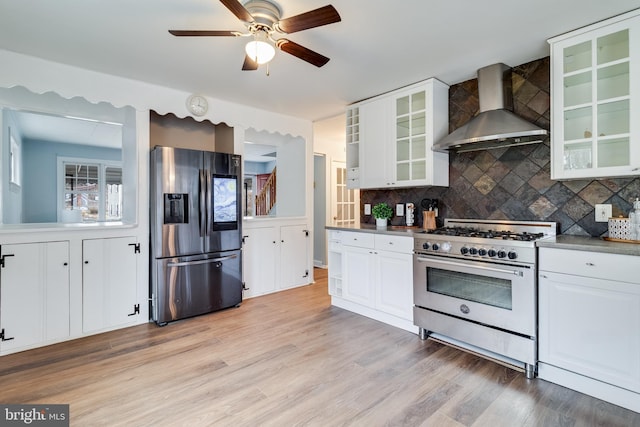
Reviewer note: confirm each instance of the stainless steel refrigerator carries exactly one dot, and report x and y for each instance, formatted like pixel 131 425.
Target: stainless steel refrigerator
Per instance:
pixel 196 232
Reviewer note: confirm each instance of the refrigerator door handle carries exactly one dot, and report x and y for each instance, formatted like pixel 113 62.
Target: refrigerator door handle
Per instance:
pixel 202 203
pixel 201 261
pixel 209 198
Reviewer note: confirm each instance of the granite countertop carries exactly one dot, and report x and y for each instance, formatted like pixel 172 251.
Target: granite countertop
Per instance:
pixel 398 230
pixel 592 244
pixel 576 243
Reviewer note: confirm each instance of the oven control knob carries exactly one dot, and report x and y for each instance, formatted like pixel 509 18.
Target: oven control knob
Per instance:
pixel 482 252
pixel 425 245
pixel 445 247
pixel 435 246
pixel 492 253
pixel 502 253
pixel 512 255
pixel 473 251
pixel 464 250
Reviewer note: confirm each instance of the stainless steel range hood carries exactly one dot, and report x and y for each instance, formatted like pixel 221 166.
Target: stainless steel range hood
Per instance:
pixel 495 126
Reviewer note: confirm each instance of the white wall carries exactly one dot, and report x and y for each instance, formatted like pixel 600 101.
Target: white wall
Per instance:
pixel 329 137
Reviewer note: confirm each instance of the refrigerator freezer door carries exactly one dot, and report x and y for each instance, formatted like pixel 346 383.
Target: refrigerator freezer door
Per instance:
pixel 189 286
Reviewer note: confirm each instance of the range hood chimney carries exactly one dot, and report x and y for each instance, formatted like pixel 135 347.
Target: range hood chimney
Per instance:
pixel 495 126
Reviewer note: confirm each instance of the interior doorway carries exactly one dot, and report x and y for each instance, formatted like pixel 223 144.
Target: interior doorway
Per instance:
pixel 345 202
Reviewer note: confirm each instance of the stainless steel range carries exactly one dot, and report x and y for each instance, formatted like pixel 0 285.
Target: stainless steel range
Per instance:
pixel 475 286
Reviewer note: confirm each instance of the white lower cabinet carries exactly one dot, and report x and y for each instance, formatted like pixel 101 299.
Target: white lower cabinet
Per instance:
pixel 376 277
pixel 394 285
pixel 589 323
pixel 34 294
pixel 259 261
pixel 294 256
pixel 358 285
pixel 275 258
pixel 109 277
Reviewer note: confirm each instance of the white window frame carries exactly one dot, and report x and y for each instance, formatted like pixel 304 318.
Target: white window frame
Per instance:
pixel 15 161
pixel 102 166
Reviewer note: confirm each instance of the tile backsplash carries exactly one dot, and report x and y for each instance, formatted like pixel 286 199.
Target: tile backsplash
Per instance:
pixel 513 183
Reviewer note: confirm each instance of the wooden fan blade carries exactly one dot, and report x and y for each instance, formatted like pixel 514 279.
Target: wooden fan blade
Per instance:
pixel 302 52
pixel 249 64
pixel 200 33
pixel 238 9
pixel 314 18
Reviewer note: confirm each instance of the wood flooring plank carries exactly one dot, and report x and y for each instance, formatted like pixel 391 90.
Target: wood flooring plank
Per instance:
pixel 287 359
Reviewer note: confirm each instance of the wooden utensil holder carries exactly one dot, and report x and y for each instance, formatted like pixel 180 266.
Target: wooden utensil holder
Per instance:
pixel 429 220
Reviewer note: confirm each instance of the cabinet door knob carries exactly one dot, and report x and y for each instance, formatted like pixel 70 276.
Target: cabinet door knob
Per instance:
pixel 65 264
pixel 86 262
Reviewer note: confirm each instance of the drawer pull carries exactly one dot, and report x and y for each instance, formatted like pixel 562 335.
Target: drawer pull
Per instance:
pixel 590 264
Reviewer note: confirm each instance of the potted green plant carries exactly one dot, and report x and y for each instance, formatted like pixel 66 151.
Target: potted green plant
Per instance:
pixel 382 212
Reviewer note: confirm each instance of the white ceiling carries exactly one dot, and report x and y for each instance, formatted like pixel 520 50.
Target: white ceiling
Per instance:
pixel 68 130
pixel 378 46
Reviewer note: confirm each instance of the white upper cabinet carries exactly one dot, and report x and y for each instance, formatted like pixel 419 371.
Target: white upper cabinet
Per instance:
pixel 376 164
pixel 595 92
pixel 421 115
pixel 395 134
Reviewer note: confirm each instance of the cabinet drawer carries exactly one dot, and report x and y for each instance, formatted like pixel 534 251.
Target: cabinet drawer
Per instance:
pixel 363 240
pixel 622 268
pixel 353 173
pixel 387 242
pixel 335 236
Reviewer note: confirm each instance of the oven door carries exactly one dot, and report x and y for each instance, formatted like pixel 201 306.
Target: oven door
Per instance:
pixel 498 295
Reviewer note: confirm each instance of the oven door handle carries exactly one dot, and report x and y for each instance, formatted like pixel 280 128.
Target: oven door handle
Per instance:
pixel 479 267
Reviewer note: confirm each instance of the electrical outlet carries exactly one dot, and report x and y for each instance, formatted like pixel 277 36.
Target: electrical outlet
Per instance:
pixel 399 209
pixel 603 213
pixel 367 208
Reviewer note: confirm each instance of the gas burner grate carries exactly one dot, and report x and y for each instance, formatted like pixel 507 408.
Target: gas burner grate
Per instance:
pixel 486 234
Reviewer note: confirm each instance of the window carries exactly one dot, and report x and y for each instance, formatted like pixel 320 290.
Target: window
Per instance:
pixel 91 190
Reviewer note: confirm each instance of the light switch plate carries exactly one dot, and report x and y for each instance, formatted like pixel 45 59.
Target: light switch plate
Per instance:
pixel 367 208
pixel 400 209
pixel 603 212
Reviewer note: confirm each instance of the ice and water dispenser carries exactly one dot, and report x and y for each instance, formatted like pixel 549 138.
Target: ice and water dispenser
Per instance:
pixel 176 208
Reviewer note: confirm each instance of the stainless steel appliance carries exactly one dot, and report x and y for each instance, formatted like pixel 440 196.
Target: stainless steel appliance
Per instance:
pixel 495 125
pixel 475 286
pixel 196 229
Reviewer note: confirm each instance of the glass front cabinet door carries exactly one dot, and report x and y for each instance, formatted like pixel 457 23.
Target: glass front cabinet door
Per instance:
pixel 595 92
pixel 421 118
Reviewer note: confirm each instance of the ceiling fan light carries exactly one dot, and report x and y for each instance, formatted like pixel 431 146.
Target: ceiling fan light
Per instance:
pixel 260 51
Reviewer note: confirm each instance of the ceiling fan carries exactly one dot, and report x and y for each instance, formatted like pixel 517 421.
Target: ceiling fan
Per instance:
pixel 262 19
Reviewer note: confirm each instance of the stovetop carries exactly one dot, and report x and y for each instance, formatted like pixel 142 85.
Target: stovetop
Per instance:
pixel 491 240
pixel 487 234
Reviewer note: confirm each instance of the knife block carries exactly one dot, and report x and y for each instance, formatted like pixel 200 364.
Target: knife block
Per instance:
pixel 429 220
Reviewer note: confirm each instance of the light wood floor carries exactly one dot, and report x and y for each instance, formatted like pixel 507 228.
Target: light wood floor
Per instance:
pixel 287 359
